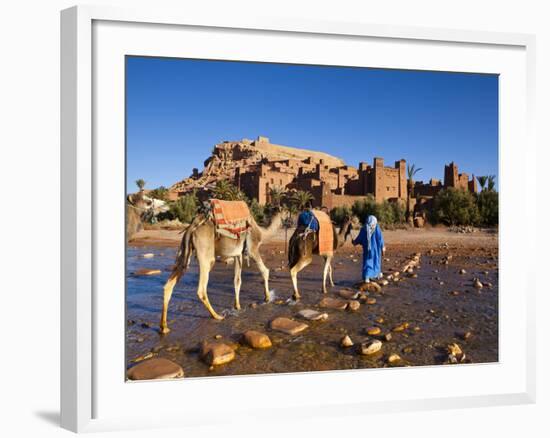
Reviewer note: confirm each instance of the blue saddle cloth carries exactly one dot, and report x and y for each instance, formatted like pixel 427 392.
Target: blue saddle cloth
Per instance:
pixel 306 218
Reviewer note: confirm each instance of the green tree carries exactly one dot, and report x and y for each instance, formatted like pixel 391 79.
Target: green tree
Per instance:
pixel 487 204
pixel 184 208
pixel 301 198
pixel 412 170
pixel 491 183
pixel 159 193
pixel 276 196
pixel 387 213
pixel 364 207
pixel 141 184
pixel 398 211
pixel 339 214
pixel 258 211
pixel 482 180
pixel 455 207
pixel 227 191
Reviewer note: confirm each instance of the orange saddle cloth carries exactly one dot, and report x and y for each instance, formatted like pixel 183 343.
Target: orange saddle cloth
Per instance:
pixel 326 236
pixel 231 218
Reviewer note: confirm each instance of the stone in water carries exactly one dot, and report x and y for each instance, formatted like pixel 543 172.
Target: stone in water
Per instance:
pixel 394 358
pixel 348 294
pixel 354 305
pixel 158 368
pixel 371 347
pixel 216 353
pixel 143 271
pixel 257 339
pixel 478 284
pixel 288 326
pixel 313 315
pixel 333 303
pixel 346 342
pixel 373 331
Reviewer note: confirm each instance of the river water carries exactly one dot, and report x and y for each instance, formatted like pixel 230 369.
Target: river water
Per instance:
pixel 439 305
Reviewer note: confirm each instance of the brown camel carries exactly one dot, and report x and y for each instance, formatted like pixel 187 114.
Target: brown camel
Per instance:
pixel 200 238
pixel 303 247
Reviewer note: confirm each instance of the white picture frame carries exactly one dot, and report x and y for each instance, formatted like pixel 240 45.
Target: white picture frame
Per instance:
pixel 88 396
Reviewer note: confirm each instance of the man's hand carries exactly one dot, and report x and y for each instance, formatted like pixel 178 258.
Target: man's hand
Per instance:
pixel 384 250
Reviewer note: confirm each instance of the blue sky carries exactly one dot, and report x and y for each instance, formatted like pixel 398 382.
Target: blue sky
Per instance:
pixel 178 109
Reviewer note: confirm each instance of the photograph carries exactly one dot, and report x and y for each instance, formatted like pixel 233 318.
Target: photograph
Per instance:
pixel 285 218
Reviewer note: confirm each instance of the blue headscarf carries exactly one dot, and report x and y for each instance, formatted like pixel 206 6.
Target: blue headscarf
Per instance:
pixel 371 227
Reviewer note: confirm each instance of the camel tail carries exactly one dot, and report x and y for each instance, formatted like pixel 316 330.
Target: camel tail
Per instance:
pixel 183 257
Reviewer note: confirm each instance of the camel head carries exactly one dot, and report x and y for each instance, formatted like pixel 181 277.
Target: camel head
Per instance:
pixel 148 207
pixel 345 230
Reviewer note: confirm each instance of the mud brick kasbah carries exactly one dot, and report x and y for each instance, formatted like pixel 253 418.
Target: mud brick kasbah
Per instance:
pixel 256 166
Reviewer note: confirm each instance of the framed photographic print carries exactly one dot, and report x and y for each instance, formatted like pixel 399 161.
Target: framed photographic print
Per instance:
pixel 316 217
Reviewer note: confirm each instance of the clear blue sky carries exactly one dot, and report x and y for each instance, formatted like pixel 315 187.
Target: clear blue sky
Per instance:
pixel 178 109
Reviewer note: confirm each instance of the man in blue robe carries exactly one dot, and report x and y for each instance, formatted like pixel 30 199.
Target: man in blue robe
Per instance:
pixel 371 239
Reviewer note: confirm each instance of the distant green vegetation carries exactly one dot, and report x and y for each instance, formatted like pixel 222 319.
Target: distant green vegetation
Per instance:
pixel 184 209
pixel 159 193
pixel 450 206
pixel 140 183
pixel 455 207
pixel 387 213
pixel 460 207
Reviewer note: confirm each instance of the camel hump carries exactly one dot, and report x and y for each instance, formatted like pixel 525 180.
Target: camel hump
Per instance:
pixel 326 233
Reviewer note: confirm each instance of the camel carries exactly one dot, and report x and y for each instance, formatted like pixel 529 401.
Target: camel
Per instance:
pixel 302 248
pixel 139 209
pixel 200 238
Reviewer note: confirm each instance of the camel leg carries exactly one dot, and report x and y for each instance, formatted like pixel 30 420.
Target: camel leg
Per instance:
pixel 237 280
pixel 301 264
pixel 330 274
pixel 205 266
pixel 168 288
pixel 326 269
pixel 255 254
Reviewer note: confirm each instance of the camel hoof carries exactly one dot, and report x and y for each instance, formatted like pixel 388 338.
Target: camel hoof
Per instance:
pixel 218 317
pixel 164 330
pixel 237 307
pixel 296 297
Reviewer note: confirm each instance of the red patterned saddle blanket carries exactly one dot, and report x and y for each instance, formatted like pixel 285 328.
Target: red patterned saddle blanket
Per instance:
pixel 231 218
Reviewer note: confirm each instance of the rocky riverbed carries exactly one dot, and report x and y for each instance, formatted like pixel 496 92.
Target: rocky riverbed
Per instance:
pixel 446 299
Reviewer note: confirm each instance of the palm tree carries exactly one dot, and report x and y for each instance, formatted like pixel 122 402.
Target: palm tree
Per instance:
pixel 482 180
pixel 301 198
pixel 491 183
pixel 412 170
pixel 141 184
pixel 276 195
pixel 227 191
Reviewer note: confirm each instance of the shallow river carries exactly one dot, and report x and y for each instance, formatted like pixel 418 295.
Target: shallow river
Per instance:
pixel 440 305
